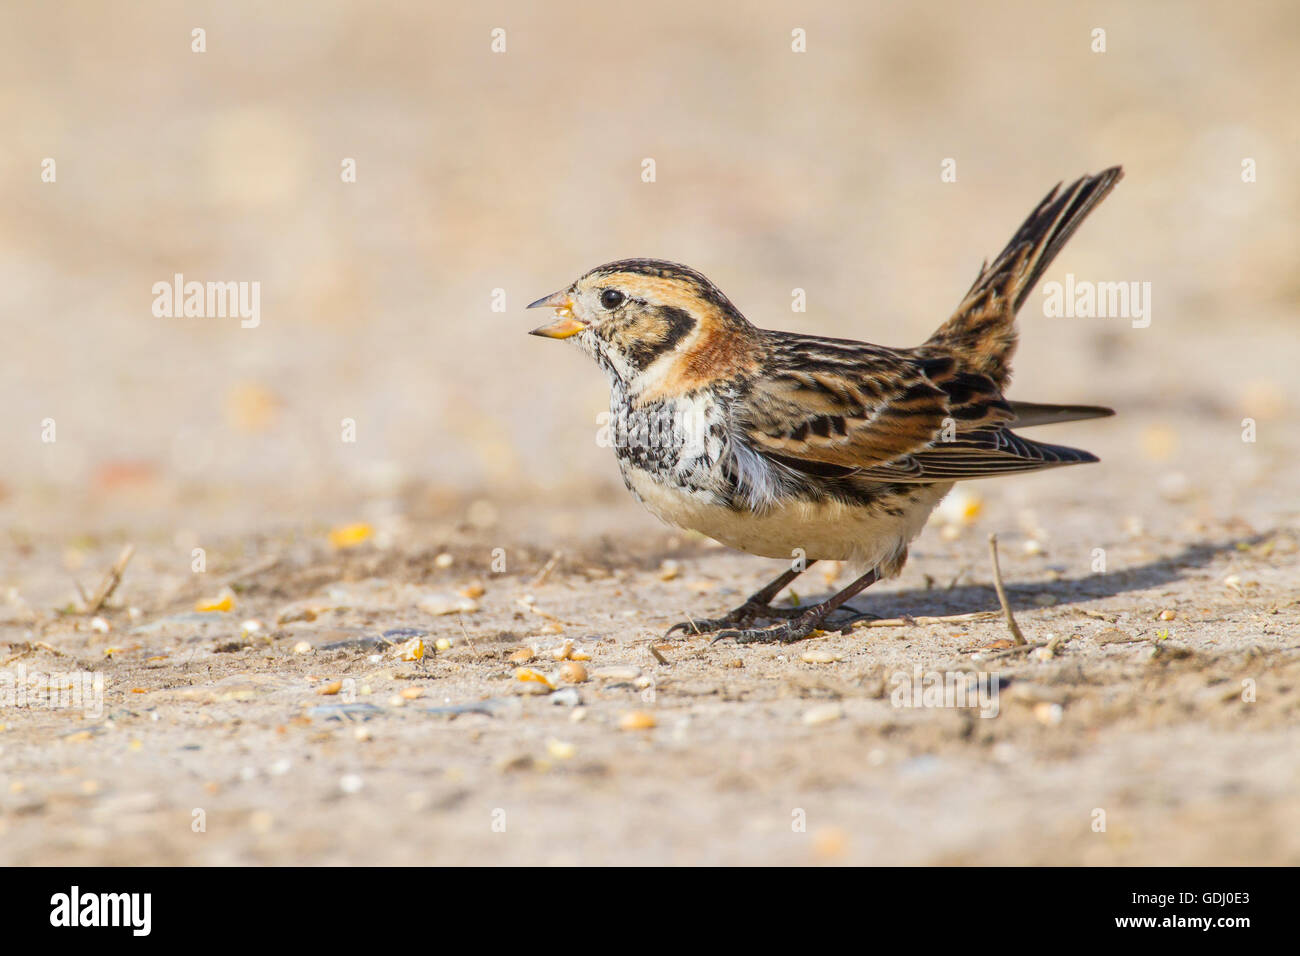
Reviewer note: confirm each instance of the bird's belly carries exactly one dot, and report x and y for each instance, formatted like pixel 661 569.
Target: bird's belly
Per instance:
pixel 824 529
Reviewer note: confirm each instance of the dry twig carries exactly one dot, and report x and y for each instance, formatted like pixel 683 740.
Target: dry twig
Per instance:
pixel 1012 626
pixel 111 580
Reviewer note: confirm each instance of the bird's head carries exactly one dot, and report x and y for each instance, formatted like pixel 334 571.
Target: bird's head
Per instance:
pixel 648 320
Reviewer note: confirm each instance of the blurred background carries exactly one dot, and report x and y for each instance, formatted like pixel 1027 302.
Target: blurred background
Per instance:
pixel 519 170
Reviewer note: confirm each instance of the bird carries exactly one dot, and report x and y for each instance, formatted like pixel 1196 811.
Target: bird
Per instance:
pixel 806 448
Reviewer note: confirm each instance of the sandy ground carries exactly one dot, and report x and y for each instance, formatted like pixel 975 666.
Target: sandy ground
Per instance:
pixel 1158 725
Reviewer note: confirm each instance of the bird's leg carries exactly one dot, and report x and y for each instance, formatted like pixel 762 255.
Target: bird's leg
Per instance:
pixel 803 625
pixel 758 604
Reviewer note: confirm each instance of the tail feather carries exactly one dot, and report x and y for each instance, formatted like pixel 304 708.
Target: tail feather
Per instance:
pixel 1029 414
pixel 982 330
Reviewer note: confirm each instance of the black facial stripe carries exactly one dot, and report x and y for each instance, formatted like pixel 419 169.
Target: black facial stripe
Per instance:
pixel 640 354
pixel 700 286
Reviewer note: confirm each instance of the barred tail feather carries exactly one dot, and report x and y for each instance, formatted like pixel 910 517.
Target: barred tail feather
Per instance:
pixel 982 330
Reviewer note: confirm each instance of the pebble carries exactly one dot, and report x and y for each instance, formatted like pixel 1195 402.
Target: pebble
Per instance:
pixel 637 720
pixel 438 604
pixel 1049 714
pixel 818 657
pixel 302 647
pixel 573 672
pixel 351 783
pixel 560 749
pixel 822 714
pixel 616 673
pixel 568 697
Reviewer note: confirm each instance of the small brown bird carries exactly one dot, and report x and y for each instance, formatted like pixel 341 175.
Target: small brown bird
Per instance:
pixel 806 448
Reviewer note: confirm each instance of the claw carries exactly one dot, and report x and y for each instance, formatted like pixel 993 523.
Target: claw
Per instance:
pixel 745 614
pixel 785 633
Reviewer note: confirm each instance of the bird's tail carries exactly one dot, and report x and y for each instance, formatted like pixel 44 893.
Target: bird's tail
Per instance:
pixel 982 329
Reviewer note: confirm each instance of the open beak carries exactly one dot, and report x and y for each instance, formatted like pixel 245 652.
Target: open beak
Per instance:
pixel 564 323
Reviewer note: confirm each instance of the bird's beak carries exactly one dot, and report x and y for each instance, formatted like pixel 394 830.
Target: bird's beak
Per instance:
pixel 564 324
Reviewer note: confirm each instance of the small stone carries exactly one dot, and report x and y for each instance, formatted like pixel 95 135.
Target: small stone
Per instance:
pixel 439 604
pixel 616 673
pixel 669 570
pixel 330 689
pixel 522 655
pixel 444 560
pixel 351 783
pixel 637 720
pixel 568 697
pixel 560 749
pixel 822 714
pixel 573 672
pixel 302 647
pixel 1049 714
pixel 442 644
pixel 1168 614
pixel 818 657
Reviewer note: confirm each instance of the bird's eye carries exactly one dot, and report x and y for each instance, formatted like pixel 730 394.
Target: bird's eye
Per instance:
pixel 611 298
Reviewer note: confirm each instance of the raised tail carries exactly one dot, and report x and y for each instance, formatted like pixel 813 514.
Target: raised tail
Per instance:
pixel 982 331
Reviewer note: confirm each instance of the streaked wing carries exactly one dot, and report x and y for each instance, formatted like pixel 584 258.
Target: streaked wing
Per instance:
pixel 854 405
pixel 833 408
pixel 984 453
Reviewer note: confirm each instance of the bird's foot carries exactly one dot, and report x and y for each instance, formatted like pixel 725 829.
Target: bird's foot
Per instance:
pixel 746 614
pixel 845 624
pixel 787 632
